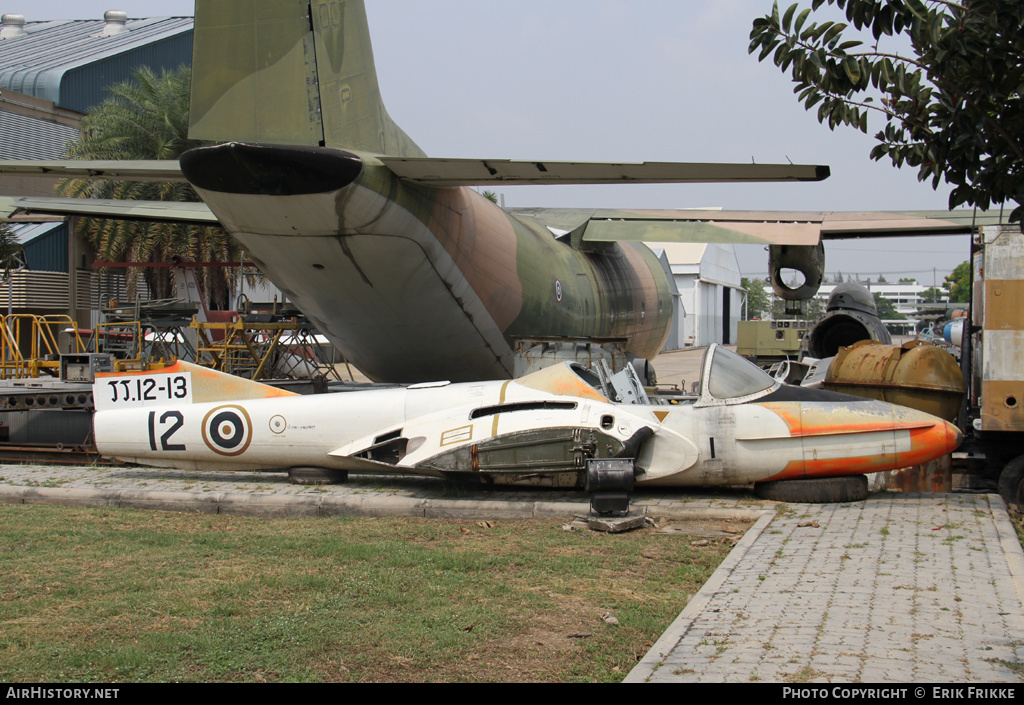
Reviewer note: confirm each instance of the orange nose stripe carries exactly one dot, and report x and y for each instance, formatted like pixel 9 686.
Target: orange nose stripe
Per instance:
pixel 927 444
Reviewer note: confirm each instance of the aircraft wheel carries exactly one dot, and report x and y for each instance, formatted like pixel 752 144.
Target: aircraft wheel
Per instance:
pixel 316 476
pixel 851 488
pixel 1011 483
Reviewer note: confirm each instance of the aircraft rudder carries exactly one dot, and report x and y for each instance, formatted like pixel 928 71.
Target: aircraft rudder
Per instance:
pixel 353 111
pixel 290 72
pixel 254 73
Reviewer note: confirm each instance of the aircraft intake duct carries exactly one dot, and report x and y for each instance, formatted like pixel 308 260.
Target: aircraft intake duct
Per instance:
pixel 850 316
pixel 808 260
pixel 270 170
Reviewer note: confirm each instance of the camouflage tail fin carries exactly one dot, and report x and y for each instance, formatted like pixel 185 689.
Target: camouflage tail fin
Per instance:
pixel 294 72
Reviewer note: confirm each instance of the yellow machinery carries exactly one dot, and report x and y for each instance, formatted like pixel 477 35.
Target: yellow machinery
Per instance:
pixel 771 341
pixel 263 350
pixel 29 346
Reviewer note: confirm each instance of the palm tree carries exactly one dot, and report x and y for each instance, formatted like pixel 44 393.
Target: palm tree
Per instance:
pixel 147 118
pixel 10 249
pixel 11 257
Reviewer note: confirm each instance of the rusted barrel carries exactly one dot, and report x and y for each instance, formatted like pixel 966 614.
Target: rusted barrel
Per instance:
pixel 917 375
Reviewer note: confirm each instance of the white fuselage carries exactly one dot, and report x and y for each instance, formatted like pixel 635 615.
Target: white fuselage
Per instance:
pixel 426 429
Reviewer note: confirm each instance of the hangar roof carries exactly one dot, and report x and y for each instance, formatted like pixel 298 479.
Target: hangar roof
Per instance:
pixel 38 58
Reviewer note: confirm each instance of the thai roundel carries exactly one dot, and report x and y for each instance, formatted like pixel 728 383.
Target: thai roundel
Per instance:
pixel 227 430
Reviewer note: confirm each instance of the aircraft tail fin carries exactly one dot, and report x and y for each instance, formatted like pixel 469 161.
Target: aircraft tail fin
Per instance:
pixel 180 383
pixel 291 72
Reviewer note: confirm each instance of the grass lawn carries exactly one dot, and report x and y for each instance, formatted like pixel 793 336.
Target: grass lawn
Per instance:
pixel 97 595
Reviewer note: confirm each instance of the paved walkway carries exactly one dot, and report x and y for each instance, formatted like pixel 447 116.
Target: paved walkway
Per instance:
pixel 902 588
pixel 910 588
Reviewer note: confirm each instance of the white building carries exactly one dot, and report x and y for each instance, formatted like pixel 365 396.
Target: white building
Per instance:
pixel 710 296
pixel 906 297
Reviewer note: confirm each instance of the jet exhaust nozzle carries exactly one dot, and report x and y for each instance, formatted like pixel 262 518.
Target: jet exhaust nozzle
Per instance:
pixel 809 260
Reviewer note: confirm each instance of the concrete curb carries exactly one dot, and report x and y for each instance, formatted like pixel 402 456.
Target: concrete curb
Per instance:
pixel 1008 541
pixel 663 647
pixel 681 512
pixel 69 497
pixel 201 502
pixel 328 505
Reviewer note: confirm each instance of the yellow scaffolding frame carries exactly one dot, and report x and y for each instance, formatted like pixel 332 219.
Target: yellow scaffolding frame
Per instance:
pixel 43 351
pixel 29 346
pixel 247 349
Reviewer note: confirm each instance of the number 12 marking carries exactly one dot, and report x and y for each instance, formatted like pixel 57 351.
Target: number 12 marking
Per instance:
pixel 177 421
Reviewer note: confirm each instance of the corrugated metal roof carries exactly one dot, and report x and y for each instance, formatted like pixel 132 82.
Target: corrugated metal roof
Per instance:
pixel 23 137
pixel 46 245
pixel 27 232
pixel 36 63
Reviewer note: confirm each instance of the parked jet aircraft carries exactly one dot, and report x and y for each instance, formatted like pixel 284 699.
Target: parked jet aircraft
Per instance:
pixel 409 272
pixel 743 426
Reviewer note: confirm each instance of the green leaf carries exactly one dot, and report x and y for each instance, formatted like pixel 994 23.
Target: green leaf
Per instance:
pixel 833 33
pixel 766 50
pixel 787 20
pixel 800 20
pixel 935 28
pixel 852 68
pixel 917 8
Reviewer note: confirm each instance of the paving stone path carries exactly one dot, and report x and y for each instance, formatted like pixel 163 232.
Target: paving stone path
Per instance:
pixel 902 588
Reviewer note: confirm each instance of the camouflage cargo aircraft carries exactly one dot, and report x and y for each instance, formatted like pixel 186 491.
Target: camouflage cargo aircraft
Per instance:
pixel 411 273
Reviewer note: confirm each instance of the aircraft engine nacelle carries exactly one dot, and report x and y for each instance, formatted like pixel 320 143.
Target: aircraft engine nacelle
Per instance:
pixel 809 260
pixel 850 316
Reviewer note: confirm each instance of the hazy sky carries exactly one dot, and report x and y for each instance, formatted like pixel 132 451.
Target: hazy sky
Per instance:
pixel 618 80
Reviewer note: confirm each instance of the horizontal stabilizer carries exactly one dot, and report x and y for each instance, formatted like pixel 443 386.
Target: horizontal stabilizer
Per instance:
pixel 844 225
pixel 483 172
pixel 171 211
pixel 751 227
pixel 126 170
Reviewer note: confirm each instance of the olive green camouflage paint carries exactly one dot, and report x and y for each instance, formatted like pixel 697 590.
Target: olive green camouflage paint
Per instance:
pixel 531 283
pixel 248 59
pixel 552 288
pixel 290 72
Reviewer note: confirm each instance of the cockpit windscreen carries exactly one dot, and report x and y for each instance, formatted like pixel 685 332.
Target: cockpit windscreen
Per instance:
pixel 732 376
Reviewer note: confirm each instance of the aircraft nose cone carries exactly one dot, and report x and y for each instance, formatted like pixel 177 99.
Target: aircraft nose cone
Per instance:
pixel 927 442
pixel 954 437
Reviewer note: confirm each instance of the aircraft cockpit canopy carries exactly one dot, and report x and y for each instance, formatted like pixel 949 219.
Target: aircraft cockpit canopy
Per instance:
pixel 727 378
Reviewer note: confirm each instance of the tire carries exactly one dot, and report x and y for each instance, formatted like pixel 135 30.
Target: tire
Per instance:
pixel 1011 483
pixel 851 488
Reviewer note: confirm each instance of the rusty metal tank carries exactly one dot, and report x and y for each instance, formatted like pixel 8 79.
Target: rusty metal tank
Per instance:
pixel 917 375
